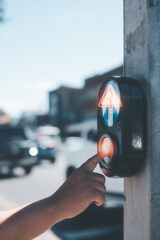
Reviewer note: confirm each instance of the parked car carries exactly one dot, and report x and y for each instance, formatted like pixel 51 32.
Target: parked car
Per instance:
pixel 95 223
pixel 48 140
pixel 16 149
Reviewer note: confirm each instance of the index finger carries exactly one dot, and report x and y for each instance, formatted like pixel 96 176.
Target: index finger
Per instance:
pixel 91 163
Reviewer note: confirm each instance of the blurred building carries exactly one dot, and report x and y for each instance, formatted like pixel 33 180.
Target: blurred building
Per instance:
pixel 32 119
pixel 42 119
pixel 71 106
pixel 27 119
pixel 64 106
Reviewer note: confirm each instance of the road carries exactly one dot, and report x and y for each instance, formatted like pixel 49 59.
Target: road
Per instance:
pixel 42 182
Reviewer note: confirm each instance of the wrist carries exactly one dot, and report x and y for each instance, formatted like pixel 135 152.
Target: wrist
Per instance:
pixel 56 208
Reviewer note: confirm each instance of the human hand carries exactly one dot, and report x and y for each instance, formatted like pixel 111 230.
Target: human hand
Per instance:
pixel 74 196
pixel 81 189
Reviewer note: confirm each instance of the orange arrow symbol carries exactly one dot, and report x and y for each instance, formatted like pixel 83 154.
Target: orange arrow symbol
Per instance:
pixel 110 98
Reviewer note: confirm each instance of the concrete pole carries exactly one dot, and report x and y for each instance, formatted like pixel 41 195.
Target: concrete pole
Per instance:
pixel 142 61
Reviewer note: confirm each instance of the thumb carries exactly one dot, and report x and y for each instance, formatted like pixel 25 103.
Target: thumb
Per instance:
pixel 91 163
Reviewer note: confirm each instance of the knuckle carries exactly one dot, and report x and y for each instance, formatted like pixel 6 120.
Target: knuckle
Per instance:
pixel 81 174
pixel 84 178
pixel 104 187
pixel 101 197
pixel 100 186
pixel 102 178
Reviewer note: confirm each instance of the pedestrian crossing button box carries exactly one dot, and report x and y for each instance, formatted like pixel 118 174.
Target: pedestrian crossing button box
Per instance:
pixel 121 123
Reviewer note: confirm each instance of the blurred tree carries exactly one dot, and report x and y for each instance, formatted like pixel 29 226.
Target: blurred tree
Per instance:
pixel 2 112
pixel 1 10
pixel 4 118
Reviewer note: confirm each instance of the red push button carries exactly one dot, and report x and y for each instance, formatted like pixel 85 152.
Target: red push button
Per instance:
pixel 106 149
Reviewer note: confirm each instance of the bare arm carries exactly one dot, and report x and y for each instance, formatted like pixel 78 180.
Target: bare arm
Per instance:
pixel 74 196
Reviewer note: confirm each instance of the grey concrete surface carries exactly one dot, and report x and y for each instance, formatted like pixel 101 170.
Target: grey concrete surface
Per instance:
pixel 142 61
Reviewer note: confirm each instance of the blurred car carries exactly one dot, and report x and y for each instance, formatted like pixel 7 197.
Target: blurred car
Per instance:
pixel 48 140
pixel 16 149
pixel 94 223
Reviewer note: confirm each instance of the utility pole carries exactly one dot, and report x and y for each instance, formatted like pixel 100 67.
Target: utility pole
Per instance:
pixel 142 62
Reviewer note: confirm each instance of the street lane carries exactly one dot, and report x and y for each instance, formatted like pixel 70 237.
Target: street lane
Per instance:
pixel 42 182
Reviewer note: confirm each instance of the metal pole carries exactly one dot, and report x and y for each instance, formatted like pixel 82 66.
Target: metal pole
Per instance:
pixel 142 61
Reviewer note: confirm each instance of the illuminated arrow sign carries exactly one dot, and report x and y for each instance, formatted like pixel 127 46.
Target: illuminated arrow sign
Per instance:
pixel 110 98
pixel 110 103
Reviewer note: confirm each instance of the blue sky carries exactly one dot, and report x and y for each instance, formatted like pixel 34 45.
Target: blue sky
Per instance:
pixel 45 44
